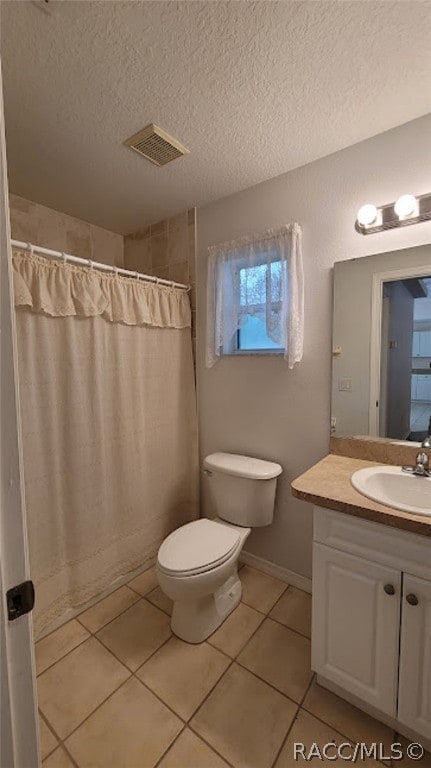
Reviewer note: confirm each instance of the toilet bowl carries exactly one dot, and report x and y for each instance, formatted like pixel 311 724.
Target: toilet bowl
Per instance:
pixel 197 564
pixel 197 569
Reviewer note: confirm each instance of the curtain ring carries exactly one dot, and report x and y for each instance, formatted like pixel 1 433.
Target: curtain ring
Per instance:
pixel 90 263
pixel 137 275
pixel 64 257
pixel 30 248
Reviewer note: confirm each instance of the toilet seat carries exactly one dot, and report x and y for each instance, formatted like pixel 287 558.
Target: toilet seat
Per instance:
pixel 197 547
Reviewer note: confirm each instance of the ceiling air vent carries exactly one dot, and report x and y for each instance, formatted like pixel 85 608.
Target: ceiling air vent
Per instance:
pixel 156 145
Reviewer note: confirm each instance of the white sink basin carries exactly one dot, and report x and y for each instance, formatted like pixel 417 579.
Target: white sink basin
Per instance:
pixel 391 486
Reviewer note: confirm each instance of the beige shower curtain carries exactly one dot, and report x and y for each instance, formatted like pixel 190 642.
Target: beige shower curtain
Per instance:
pixel 109 426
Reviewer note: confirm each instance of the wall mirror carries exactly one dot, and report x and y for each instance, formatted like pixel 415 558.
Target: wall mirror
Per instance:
pixel 381 368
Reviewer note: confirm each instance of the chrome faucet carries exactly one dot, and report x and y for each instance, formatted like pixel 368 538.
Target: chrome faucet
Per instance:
pixel 422 466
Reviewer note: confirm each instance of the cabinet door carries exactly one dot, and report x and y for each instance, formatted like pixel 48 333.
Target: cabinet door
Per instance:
pixel 414 386
pixel 424 387
pixel 355 633
pixel 414 700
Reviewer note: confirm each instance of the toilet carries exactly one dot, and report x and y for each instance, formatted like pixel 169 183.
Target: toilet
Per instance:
pixel 197 563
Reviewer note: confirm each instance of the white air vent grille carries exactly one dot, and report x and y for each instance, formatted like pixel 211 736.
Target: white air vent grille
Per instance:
pixel 156 145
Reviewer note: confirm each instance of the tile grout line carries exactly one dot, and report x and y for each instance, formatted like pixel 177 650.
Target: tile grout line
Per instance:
pixel 63 740
pixel 184 728
pixel 292 723
pixel 99 629
pixel 233 661
pixel 76 618
pixel 333 728
pixel 39 674
pixel 270 685
pixel 130 675
pixel 91 633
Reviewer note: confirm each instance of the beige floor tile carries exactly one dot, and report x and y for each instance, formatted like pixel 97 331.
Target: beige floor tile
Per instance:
pixel 345 718
pixel 132 729
pixel 183 674
pixel 425 762
pixel 259 590
pixel 53 647
pixel 158 598
pixel 145 582
pixel 308 730
pixel 77 684
pixel 281 657
pixel 294 610
pixel 244 719
pixel 136 634
pixel 233 634
pixel 48 742
pixel 100 614
pixel 189 751
pixel 58 759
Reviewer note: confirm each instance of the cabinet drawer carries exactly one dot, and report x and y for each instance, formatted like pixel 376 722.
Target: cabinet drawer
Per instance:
pixel 379 543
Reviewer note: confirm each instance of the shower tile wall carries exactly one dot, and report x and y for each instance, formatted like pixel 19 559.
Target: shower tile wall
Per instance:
pixel 37 224
pixel 166 249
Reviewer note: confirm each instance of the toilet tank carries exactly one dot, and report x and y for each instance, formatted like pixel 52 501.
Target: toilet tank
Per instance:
pixel 242 488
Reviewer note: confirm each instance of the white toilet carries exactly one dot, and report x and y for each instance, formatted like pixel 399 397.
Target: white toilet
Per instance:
pixel 197 563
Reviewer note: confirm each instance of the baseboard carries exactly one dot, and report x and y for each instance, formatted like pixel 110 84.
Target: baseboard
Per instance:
pixel 272 569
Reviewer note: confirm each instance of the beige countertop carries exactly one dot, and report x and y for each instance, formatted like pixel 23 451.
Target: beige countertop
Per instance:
pixel 327 484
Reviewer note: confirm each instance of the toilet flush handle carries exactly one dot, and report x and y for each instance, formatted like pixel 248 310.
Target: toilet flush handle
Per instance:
pixel 208 472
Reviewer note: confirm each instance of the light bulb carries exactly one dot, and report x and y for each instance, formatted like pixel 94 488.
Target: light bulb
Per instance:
pixel 367 215
pixel 406 206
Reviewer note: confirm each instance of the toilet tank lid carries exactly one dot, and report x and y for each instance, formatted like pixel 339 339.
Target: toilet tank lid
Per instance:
pixel 242 466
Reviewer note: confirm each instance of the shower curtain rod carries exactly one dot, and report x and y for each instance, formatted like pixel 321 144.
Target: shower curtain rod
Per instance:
pixel 95 264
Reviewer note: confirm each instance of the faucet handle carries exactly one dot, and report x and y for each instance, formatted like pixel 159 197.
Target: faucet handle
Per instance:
pixel 422 463
pixel 427 442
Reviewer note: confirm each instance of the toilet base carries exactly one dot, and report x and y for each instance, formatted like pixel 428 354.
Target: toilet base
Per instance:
pixel 195 620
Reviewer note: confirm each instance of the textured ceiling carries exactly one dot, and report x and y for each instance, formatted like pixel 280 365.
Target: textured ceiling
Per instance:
pixel 253 89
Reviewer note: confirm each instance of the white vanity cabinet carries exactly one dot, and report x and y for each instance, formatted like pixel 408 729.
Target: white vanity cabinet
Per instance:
pixel 371 630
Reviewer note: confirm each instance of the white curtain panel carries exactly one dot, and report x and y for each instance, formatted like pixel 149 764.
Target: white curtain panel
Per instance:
pixel 110 449
pixel 261 275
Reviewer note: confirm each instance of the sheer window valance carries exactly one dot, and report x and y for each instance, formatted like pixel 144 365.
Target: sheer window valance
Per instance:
pixel 255 296
pixel 62 290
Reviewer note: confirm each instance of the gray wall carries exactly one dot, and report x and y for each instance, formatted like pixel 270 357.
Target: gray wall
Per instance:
pixel 256 405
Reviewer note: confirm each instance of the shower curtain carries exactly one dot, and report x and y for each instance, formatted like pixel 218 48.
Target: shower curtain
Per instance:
pixel 108 415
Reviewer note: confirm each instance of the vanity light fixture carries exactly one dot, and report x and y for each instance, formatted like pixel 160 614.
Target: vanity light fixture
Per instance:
pixel 408 209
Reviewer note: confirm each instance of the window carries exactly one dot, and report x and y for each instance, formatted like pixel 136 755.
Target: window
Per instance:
pixel 255 296
pixel 259 287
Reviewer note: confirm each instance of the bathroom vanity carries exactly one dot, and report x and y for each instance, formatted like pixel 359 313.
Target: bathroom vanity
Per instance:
pixel 371 624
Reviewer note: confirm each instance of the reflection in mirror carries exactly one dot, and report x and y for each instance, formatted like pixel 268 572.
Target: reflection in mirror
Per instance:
pixel 405 359
pixel 381 373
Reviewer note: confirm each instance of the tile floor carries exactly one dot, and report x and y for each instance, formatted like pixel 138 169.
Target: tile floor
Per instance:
pixel 118 690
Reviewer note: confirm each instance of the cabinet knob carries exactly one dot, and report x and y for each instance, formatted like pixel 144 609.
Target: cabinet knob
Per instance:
pixel 412 599
pixel 389 589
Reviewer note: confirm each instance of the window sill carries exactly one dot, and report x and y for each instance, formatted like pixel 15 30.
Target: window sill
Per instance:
pixel 254 352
